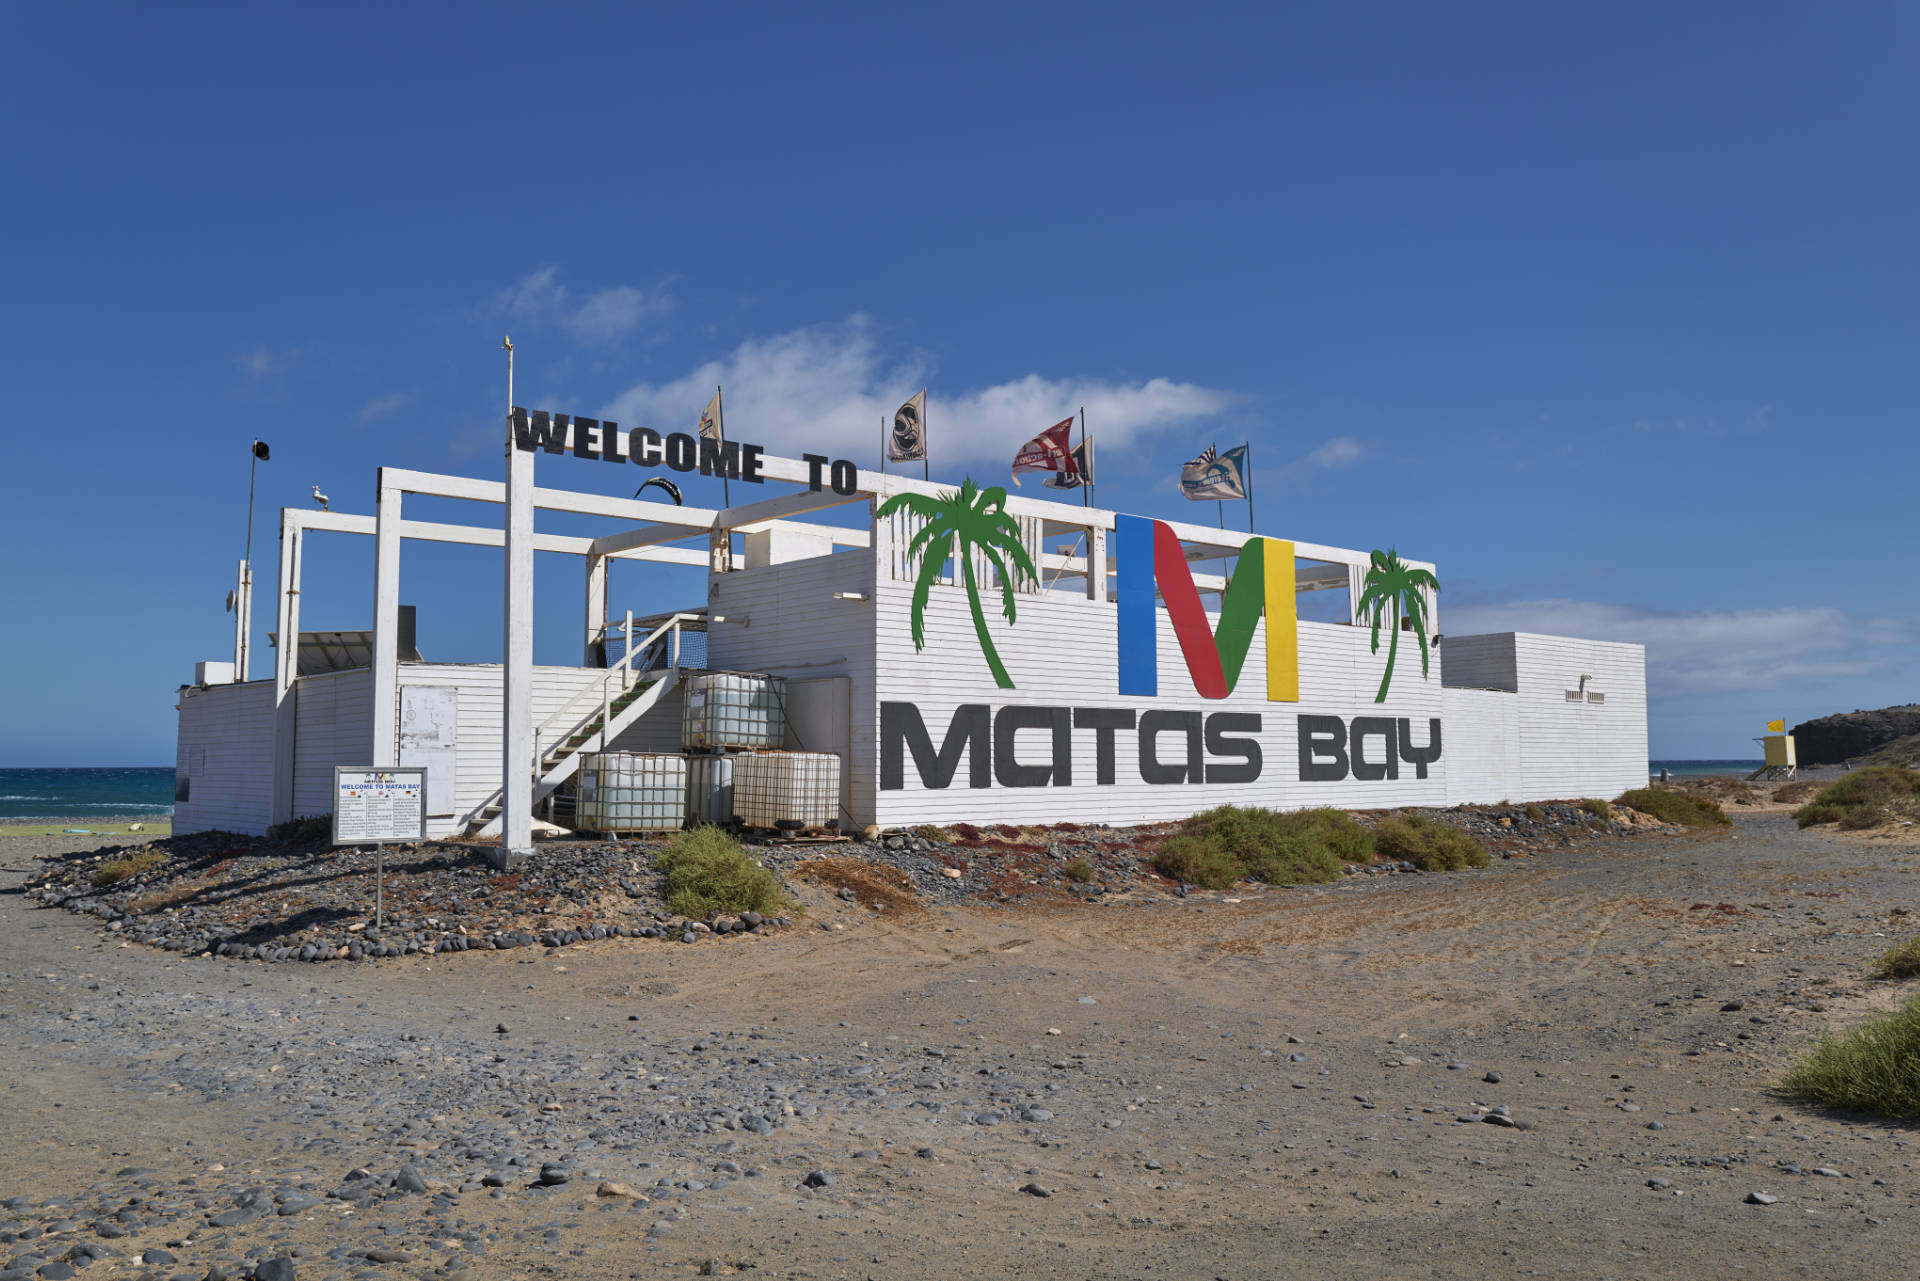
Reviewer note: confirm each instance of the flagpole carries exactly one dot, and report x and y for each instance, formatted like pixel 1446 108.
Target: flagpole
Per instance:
pixel 883 444
pixel 1249 448
pixel 926 443
pixel 1085 481
pixel 726 490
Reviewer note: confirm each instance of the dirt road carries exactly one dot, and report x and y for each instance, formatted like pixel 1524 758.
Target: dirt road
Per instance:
pixel 1293 1083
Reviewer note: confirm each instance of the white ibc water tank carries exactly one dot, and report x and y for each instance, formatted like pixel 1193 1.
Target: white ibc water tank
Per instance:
pixel 787 789
pixel 734 709
pixel 632 792
pixel 710 789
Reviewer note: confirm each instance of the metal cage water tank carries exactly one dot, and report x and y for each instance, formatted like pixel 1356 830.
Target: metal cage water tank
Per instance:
pixel 787 790
pixel 734 709
pixel 631 792
pixel 709 789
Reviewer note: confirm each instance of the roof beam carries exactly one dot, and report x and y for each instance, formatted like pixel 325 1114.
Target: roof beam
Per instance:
pixel 773 509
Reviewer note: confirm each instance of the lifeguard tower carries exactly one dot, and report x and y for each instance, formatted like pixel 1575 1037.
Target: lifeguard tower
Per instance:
pixel 1777 757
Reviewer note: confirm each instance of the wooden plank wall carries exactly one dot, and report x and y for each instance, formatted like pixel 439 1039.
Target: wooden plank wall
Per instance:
pixel 333 725
pixel 1483 745
pixel 232 728
pixel 478 735
pixel 1063 650
pixel 1571 749
pixel 797 628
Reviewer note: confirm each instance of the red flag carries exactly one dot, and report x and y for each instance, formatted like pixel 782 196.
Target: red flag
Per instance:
pixel 1049 451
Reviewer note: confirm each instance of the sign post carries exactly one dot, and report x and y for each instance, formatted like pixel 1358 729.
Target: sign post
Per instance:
pixel 375 807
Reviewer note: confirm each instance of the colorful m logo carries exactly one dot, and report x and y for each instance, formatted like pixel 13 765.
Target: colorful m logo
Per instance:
pixel 1150 555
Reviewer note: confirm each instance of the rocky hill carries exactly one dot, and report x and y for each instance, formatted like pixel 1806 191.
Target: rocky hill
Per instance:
pixel 1847 736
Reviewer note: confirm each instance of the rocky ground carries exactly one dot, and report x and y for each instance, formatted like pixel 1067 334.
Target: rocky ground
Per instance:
pixel 1561 1065
pixel 247 898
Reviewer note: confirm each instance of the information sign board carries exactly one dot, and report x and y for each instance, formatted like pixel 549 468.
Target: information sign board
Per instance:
pixel 372 806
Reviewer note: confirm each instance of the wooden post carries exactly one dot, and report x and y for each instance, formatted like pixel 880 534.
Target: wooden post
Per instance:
pixel 516 719
pixel 286 666
pixel 386 626
pixel 1097 563
pixel 596 604
pixel 239 620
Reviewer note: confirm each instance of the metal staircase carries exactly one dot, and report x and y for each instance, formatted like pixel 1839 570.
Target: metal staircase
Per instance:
pixel 592 719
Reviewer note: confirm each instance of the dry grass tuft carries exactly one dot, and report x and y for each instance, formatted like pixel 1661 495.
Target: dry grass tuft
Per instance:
pixel 114 871
pixel 1865 799
pixel 1675 807
pixel 1901 961
pixel 1874 1068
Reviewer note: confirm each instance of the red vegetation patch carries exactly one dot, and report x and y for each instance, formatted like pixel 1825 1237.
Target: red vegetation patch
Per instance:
pixel 1011 833
pixel 870 882
pixel 965 831
pixel 506 881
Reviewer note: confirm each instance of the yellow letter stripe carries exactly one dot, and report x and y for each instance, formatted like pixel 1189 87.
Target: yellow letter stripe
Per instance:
pixel 1283 625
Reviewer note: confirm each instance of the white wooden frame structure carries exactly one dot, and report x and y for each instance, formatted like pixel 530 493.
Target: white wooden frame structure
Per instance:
pixel 659 534
pixel 858 643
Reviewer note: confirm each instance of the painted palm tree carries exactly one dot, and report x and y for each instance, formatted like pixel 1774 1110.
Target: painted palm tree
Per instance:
pixel 965 520
pixel 1393 588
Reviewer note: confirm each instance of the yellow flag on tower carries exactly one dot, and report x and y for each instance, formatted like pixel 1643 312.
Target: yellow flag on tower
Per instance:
pixel 1778 727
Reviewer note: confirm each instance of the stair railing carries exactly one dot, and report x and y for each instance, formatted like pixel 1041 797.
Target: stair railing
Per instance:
pixel 625 671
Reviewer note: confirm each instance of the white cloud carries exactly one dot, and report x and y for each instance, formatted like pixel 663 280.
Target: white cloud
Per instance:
pixel 539 298
pixel 382 407
pixel 826 388
pixel 265 363
pixel 1698 651
pixel 1341 451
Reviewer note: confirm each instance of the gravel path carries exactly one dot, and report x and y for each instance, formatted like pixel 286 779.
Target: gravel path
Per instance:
pixel 1558 1066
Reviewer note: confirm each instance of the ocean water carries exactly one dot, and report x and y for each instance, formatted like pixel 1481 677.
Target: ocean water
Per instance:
pixel 1694 769
pixel 85 793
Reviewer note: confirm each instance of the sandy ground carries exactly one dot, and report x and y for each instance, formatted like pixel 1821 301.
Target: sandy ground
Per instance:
pixel 1241 1089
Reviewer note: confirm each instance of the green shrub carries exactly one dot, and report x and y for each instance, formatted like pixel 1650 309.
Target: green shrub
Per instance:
pixel 1675 807
pixel 1429 846
pixel 1865 799
pixel 1874 1068
pixel 708 872
pixel 938 835
pixel 1079 871
pixel 114 871
pixel 1230 843
pixel 1901 961
pixel 1598 808
pixel 1192 861
pixel 303 831
pixel 1537 814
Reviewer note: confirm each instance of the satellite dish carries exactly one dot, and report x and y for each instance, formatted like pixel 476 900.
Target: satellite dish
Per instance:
pixel 229 602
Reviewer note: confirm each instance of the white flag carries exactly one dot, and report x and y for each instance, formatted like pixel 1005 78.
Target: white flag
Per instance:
pixel 908 444
pixel 1215 475
pixel 710 418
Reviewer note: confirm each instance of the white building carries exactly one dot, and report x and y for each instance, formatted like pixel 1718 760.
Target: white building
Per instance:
pixel 928 733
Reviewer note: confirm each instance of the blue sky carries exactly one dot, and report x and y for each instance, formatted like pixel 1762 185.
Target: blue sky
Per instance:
pixel 1607 311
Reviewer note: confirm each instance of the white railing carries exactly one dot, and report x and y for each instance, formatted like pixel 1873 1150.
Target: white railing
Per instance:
pixel 603 691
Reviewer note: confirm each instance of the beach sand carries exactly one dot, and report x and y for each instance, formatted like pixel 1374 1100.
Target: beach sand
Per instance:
pixel 1237 1085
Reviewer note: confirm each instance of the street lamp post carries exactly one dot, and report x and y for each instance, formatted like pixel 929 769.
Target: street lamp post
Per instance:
pixel 243 593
